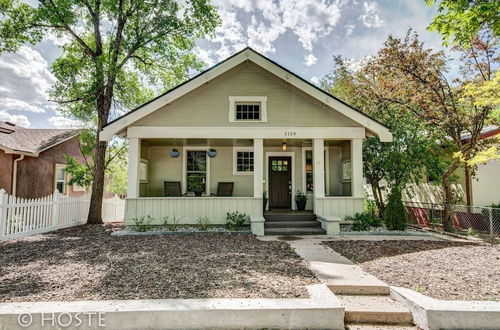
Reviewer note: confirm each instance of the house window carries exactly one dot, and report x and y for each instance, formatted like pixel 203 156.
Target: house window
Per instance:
pixel 309 170
pixel 60 178
pixel 247 111
pixel 247 108
pixel 243 161
pixel 196 170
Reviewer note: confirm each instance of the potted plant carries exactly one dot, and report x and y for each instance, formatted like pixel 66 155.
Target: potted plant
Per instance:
pixel 264 201
pixel 301 200
pixel 195 184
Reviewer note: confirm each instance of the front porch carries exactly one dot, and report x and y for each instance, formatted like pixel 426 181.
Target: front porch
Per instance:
pixel 327 170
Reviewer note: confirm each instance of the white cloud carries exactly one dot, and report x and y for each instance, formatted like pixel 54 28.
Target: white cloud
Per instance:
pixel 20 120
pixel 370 17
pixel 63 122
pixel 310 59
pixel 25 82
pixel 204 55
pixel 315 80
pixel 268 20
pixel 349 29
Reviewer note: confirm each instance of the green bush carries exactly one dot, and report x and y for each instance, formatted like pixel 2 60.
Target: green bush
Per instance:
pixel 363 221
pixel 395 212
pixel 203 222
pixel 235 220
pixel 142 224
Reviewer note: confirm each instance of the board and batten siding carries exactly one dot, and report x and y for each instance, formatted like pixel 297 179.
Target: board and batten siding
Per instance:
pixel 208 105
pixel 188 209
pixel 338 206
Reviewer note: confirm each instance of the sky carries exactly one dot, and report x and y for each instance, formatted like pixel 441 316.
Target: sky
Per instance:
pixel 301 35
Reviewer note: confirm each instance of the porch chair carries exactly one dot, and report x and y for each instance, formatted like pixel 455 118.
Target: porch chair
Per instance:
pixel 172 188
pixel 224 189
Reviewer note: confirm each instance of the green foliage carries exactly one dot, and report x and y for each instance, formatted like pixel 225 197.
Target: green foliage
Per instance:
pixel 235 220
pixel 300 196
pixel 395 213
pixel 364 221
pixel 195 182
pixel 142 224
pixel 203 223
pixel 460 21
pixel 171 224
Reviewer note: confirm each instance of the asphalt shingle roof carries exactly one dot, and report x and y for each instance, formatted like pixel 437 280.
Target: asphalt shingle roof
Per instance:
pixel 32 141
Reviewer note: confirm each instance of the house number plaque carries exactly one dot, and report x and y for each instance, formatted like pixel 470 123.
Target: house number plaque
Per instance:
pixel 290 133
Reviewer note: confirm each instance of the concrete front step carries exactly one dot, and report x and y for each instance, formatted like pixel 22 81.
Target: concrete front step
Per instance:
pixel 379 327
pixel 292 224
pixel 294 231
pixel 289 217
pixel 375 310
pixel 352 289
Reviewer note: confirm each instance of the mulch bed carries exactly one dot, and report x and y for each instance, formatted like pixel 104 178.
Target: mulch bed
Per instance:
pixel 440 269
pixel 87 263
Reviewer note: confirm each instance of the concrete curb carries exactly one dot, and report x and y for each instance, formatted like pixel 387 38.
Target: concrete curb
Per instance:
pixel 383 233
pixel 155 233
pixel 321 311
pixel 430 313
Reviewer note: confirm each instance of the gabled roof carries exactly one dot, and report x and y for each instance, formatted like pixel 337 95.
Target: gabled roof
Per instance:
pixel 16 139
pixel 118 125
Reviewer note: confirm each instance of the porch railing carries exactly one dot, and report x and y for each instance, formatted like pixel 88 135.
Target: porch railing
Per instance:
pixel 187 209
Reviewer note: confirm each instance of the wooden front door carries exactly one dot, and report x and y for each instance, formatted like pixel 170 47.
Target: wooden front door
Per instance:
pixel 280 182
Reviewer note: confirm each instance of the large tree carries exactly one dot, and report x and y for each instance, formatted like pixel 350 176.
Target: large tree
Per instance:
pixel 418 84
pixel 460 21
pixel 112 49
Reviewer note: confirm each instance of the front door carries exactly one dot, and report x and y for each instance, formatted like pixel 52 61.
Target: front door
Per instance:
pixel 280 182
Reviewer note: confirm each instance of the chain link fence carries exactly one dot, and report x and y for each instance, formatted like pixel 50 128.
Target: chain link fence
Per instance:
pixel 474 221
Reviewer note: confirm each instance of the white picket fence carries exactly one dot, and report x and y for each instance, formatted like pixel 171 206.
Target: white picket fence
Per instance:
pixel 20 217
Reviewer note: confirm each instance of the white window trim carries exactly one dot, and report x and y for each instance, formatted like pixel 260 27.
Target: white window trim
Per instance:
pixel 327 169
pixel 235 160
pixel 184 171
pixel 232 107
pixel 56 167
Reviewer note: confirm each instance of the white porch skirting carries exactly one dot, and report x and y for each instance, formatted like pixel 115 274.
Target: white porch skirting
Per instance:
pixel 187 209
pixel 338 206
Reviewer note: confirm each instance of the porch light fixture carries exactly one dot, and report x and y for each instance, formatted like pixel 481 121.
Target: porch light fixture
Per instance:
pixel 283 146
pixel 174 153
pixel 211 153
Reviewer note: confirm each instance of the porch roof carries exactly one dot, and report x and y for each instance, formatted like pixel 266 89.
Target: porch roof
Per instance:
pixel 119 125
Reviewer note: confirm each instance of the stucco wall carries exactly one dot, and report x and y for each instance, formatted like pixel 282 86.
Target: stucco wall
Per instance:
pixel 209 104
pixel 36 174
pixel 485 185
pixel 6 163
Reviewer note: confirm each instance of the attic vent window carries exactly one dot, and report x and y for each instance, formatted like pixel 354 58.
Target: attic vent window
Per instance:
pixel 247 108
pixel 247 111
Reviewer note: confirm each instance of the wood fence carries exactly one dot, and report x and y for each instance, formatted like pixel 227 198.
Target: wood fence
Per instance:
pixel 20 217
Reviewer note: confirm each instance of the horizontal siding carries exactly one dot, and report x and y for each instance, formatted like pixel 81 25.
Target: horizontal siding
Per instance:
pixel 209 104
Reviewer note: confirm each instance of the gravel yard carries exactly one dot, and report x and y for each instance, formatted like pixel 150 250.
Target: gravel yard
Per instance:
pixel 87 263
pixel 440 269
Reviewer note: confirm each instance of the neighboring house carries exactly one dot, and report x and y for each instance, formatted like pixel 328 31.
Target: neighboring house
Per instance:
pixel 251 124
pixel 482 189
pixel 32 161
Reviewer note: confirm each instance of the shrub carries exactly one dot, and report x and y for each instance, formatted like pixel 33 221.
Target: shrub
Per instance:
pixel 142 224
pixel 300 196
pixel 363 221
pixel 235 220
pixel 171 224
pixel 203 222
pixel 395 213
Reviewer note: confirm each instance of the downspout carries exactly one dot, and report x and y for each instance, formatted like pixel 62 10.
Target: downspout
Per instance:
pixel 14 175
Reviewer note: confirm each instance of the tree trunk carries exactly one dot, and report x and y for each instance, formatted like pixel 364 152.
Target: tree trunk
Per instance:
pixel 448 223
pixel 95 212
pixel 377 195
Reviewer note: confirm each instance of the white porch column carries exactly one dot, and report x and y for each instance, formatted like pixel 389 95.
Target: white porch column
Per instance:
pixel 357 167
pixel 258 164
pixel 134 156
pixel 319 167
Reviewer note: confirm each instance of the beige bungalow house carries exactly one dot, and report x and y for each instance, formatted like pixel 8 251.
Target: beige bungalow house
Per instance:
pixel 245 128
